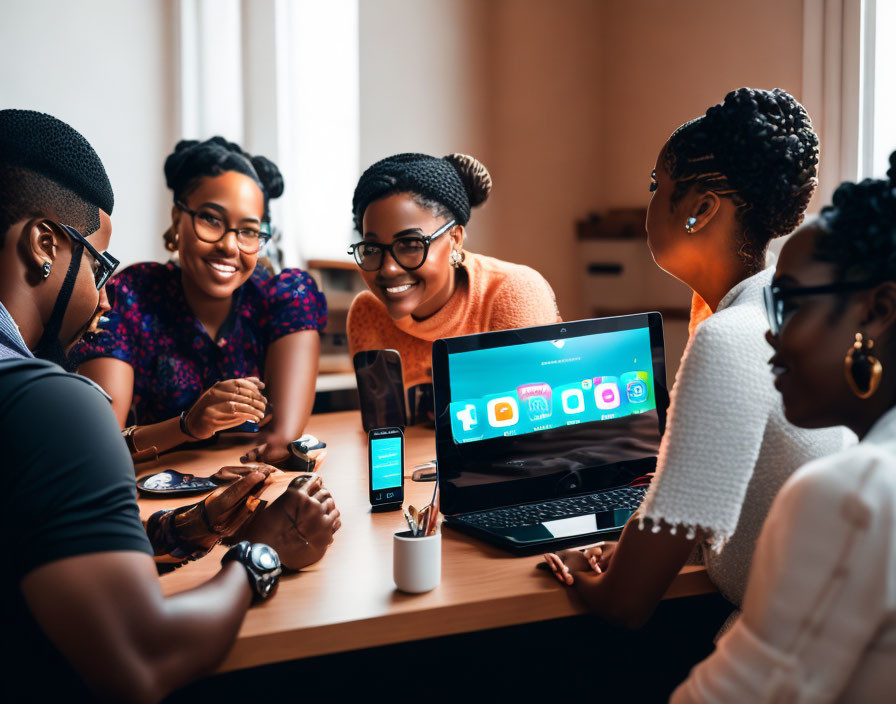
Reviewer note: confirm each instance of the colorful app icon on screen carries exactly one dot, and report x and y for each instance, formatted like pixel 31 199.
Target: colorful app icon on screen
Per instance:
pixel 606 392
pixel 467 417
pixel 502 412
pixel 635 385
pixel 586 384
pixel 573 401
pixel 537 399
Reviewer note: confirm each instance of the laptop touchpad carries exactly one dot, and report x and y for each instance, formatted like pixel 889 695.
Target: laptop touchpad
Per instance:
pixel 568 527
pixel 587 525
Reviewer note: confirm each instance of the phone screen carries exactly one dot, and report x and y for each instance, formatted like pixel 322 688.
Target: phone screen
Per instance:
pixel 386 466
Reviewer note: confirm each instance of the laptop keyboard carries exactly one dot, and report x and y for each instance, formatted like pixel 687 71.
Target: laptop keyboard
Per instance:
pixel 531 514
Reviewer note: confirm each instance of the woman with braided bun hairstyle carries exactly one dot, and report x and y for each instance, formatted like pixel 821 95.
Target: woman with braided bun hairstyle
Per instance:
pixel 412 212
pixel 723 186
pixel 210 341
pixel 818 622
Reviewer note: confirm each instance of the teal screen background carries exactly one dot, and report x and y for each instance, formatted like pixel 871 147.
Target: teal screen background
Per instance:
pixel 519 389
pixel 385 457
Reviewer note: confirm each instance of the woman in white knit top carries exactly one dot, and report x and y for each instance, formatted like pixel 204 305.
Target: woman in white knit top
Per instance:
pixel 819 617
pixel 724 185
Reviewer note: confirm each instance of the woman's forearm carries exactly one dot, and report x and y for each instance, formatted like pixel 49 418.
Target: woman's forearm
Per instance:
pixel 643 567
pixel 291 378
pixel 163 436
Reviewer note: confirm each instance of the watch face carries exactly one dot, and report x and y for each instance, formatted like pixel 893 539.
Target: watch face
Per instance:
pixel 265 558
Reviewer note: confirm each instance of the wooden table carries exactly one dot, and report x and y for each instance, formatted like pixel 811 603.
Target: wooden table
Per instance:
pixel 348 600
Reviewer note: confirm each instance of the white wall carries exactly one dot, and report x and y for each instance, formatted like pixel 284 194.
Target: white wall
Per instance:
pixel 103 66
pixel 424 85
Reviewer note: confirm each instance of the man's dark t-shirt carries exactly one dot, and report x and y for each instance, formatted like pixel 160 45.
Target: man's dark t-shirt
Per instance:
pixel 68 490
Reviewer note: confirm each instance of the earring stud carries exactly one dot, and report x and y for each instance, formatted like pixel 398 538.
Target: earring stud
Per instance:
pixel 47 268
pixel 689 224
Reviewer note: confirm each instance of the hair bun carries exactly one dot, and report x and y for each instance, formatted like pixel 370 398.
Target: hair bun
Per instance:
pixel 271 178
pixel 475 177
pixel 176 159
pixel 193 160
pixel 767 148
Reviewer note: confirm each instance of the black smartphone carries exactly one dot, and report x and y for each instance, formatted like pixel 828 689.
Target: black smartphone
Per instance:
pixel 380 389
pixel 386 468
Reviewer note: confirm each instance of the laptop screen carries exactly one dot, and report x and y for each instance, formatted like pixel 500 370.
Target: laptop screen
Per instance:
pixel 519 389
pixel 539 413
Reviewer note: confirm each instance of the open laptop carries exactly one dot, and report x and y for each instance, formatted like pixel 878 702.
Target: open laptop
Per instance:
pixel 542 433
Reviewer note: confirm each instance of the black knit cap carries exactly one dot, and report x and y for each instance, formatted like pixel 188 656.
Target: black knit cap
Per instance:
pixel 456 181
pixel 43 144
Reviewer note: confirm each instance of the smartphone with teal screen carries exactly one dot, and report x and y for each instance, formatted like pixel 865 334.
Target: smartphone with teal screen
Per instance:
pixel 386 468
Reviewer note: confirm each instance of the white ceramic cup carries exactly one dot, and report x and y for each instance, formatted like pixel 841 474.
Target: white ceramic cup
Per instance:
pixel 416 562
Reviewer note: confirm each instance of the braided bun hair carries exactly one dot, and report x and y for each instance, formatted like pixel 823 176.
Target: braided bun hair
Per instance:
pixel 758 149
pixel 192 160
pixel 448 186
pixel 858 229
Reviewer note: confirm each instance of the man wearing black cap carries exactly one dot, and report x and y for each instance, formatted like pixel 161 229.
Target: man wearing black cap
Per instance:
pixel 82 610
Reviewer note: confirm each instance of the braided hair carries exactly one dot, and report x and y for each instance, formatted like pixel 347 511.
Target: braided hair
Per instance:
pixel 192 160
pixel 448 187
pixel 758 149
pixel 47 164
pixel 858 230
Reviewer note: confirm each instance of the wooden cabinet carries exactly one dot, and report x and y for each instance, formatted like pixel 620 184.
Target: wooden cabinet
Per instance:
pixel 340 282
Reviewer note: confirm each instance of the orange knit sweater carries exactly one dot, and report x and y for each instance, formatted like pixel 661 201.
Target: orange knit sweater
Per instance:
pixel 493 295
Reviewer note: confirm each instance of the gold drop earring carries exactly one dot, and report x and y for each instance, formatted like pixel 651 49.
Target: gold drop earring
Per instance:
pixel 859 362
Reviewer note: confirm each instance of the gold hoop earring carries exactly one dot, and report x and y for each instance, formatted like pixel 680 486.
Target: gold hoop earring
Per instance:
pixel 859 360
pixel 170 238
pixel 457 258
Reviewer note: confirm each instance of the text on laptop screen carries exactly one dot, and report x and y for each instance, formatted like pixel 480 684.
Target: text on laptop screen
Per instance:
pixel 537 386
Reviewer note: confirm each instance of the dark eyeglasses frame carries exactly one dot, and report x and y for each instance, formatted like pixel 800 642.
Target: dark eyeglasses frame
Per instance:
pixel 263 236
pixel 107 263
pixel 775 295
pixel 426 239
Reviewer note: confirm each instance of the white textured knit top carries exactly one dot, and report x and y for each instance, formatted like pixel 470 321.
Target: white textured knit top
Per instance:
pixel 819 617
pixel 727 448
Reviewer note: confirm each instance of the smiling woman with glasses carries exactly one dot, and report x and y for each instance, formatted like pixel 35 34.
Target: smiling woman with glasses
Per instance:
pixel 210 341
pixel 412 211
pixel 818 614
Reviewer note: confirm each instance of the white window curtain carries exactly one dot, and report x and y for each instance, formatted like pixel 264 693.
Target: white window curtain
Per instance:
pixel 832 87
pixel 878 127
pixel 281 77
pixel 848 68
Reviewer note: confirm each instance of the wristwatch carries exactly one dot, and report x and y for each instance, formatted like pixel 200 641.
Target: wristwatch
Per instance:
pixel 262 566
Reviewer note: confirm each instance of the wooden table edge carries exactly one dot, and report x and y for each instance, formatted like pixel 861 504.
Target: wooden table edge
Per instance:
pixel 437 621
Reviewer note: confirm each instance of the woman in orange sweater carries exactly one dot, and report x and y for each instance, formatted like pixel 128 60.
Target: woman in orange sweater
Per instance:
pixel 412 211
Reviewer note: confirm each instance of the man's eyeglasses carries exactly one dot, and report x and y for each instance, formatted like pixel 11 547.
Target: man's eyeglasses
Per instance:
pixel 104 263
pixel 408 252
pixel 779 310
pixel 210 227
